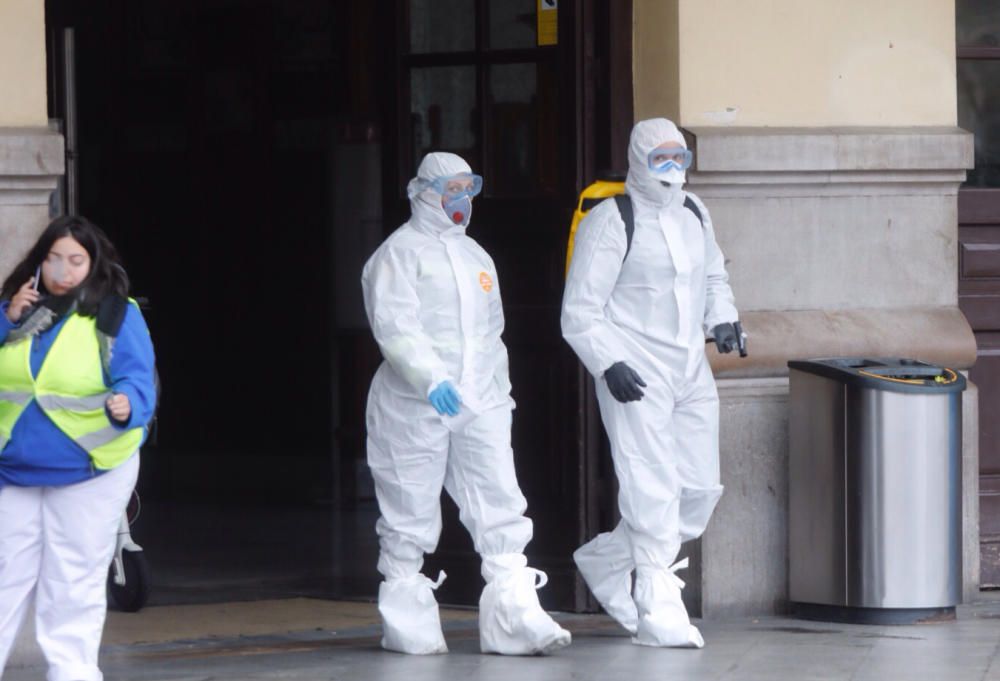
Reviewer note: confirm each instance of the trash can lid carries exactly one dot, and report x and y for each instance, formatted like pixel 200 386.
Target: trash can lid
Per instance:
pixel 894 374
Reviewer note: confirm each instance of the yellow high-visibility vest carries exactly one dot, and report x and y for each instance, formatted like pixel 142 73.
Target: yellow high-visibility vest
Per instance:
pixel 70 389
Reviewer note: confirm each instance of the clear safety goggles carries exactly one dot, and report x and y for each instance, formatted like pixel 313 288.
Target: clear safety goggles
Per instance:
pixel 457 186
pixel 662 159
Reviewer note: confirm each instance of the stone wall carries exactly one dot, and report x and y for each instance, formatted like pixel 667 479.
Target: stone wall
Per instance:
pixel 838 242
pixel 31 162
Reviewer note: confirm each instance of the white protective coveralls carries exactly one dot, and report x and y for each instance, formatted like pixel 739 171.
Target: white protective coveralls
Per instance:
pixel 651 310
pixel 434 306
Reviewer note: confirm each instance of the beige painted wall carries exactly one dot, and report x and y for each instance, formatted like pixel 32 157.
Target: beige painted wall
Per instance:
pixel 654 25
pixel 800 63
pixel 22 64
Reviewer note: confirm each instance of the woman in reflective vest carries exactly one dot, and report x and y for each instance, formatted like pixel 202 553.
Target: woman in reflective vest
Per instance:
pixel 77 392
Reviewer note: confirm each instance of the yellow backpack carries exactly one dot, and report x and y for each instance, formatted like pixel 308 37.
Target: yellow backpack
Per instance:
pixel 613 187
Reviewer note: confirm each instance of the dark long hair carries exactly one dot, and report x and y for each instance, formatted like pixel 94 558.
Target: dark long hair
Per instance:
pixel 106 277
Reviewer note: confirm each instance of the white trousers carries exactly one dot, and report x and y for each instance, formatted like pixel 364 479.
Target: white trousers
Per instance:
pixel 666 455
pixel 413 455
pixel 665 449
pixel 56 544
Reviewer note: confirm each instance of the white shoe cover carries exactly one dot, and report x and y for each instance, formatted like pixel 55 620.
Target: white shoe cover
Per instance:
pixel 410 620
pixel 511 620
pixel 606 566
pixel 663 620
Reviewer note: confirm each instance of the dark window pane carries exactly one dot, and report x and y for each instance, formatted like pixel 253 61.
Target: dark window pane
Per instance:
pixel 443 110
pixel 442 25
pixel 523 128
pixel 977 23
pixel 512 24
pixel 979 113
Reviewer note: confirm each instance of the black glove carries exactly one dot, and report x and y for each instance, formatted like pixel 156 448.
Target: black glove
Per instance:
pixel 623 382
pixel 725 337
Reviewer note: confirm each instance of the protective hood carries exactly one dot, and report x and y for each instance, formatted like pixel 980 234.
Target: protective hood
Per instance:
pixel 425 201
pixel 643 182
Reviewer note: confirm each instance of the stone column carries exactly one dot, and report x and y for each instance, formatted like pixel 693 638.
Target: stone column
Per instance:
pixel 31 162
pixel 838 242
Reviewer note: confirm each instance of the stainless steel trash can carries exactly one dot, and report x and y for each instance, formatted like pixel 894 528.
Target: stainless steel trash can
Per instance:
pixel 875 489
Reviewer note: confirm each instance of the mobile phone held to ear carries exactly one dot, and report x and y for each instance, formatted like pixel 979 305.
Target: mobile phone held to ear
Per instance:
pixel 38 277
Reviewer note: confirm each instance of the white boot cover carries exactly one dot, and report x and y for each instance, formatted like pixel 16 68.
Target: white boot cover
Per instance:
pixel 410 620
pixel 606 565
pixel 663 620
pixel 511 620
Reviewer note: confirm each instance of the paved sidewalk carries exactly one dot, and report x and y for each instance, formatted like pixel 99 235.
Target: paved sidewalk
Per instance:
pixel 765 649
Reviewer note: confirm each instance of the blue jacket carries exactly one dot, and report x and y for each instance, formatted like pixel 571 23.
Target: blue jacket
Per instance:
pixel 41 455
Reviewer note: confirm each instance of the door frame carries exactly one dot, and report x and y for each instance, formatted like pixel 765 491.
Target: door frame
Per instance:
pixel 979 300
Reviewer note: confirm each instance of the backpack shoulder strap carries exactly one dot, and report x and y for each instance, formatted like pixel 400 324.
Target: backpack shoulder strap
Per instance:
pixel 624 202
pixel 693 207
pixel 111 314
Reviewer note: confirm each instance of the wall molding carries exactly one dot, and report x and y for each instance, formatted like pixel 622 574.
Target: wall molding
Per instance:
pixel 31 162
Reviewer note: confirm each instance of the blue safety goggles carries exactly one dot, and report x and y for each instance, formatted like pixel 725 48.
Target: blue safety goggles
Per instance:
pixel 456 186
pixel 677 158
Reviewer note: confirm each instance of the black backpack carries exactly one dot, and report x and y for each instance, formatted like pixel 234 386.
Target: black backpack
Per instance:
pixel 624 202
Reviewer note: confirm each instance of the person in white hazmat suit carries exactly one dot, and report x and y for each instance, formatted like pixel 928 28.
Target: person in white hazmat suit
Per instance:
pixel 638 316
pixel 439 414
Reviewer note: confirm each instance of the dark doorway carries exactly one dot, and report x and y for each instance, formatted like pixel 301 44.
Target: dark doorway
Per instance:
pixel 247 156
pixel 213 141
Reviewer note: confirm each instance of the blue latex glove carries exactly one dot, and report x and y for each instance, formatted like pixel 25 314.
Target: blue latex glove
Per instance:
pixel 445 399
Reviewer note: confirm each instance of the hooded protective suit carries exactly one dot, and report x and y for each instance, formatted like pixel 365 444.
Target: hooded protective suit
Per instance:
pixel 433 302
pixel 651 310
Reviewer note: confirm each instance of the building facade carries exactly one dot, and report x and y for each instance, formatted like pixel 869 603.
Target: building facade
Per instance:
pixel 827 148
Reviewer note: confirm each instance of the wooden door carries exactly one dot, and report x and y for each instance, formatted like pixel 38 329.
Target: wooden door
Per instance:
pixel 978 36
